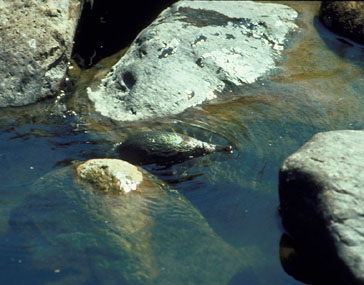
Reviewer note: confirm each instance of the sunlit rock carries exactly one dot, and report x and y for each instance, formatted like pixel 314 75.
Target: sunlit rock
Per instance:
pixel 35 46
pixel 321 188
pixel 110 175
pixel 190 54
pixel 345 18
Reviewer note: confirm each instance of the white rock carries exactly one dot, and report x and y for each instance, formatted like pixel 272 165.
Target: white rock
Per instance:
pixel 189 54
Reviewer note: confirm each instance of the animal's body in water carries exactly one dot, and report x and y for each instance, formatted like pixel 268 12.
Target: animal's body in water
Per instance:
pixel 164 148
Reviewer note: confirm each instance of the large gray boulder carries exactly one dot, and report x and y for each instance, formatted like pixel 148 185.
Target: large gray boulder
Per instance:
pixel 321 189
pixel 35 46
pixel 192 52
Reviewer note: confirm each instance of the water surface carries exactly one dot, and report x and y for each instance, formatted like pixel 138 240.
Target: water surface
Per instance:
pixel 215 219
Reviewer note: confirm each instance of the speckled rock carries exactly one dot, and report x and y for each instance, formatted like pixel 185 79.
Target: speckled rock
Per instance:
pixel 321 189
pixel 345 18
pixel 35 46
pixel 191 53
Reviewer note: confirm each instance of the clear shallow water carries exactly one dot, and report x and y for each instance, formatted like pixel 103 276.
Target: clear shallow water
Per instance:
pixel 220 226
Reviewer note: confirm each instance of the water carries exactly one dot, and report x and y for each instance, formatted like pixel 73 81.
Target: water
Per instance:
pixel 215 223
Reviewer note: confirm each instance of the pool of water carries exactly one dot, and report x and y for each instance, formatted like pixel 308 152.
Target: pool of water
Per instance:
pixel 214 220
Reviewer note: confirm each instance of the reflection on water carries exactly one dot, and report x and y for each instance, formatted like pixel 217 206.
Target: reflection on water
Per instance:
pixel 216 223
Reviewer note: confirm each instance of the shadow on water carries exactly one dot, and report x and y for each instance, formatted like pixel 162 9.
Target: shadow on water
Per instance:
pixel 346 49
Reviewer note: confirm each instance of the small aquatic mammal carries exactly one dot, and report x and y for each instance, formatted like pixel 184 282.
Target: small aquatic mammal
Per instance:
pixel 164 148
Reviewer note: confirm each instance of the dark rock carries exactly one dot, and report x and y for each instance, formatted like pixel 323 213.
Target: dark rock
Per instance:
pixel 345 18
pixel 190 53
pixel 107 26
pixel 164 148
pixel 35 47
pixel 321 189
pixel 304 265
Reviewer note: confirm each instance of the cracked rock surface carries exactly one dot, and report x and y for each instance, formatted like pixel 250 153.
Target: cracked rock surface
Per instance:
pixel 35 46
pixel 321 189
pixel 190 54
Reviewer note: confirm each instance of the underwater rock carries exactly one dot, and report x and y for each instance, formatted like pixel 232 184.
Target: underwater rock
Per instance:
pixel 35 47
pixel 191 53
pixel 146 237
pixel 110 175
pixel 345 18
pixel 164 148
pixel 321 190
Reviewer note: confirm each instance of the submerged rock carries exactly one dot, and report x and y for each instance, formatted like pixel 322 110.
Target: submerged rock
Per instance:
pixel 345 18
pixel 35 47
pixel 164 148
pixel 193 51
pixel 154 236
pixel 321 189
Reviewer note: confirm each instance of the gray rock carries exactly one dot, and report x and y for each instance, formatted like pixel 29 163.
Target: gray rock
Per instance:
pixel 35 46
pixel 321 189
pixel 190 53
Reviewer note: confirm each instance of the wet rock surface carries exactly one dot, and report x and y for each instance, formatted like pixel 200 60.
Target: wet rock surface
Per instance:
pixel 87 236
pixel 345 18
pixel 191 53
pixel 321 196
pixel 164 148
pixel 35 46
